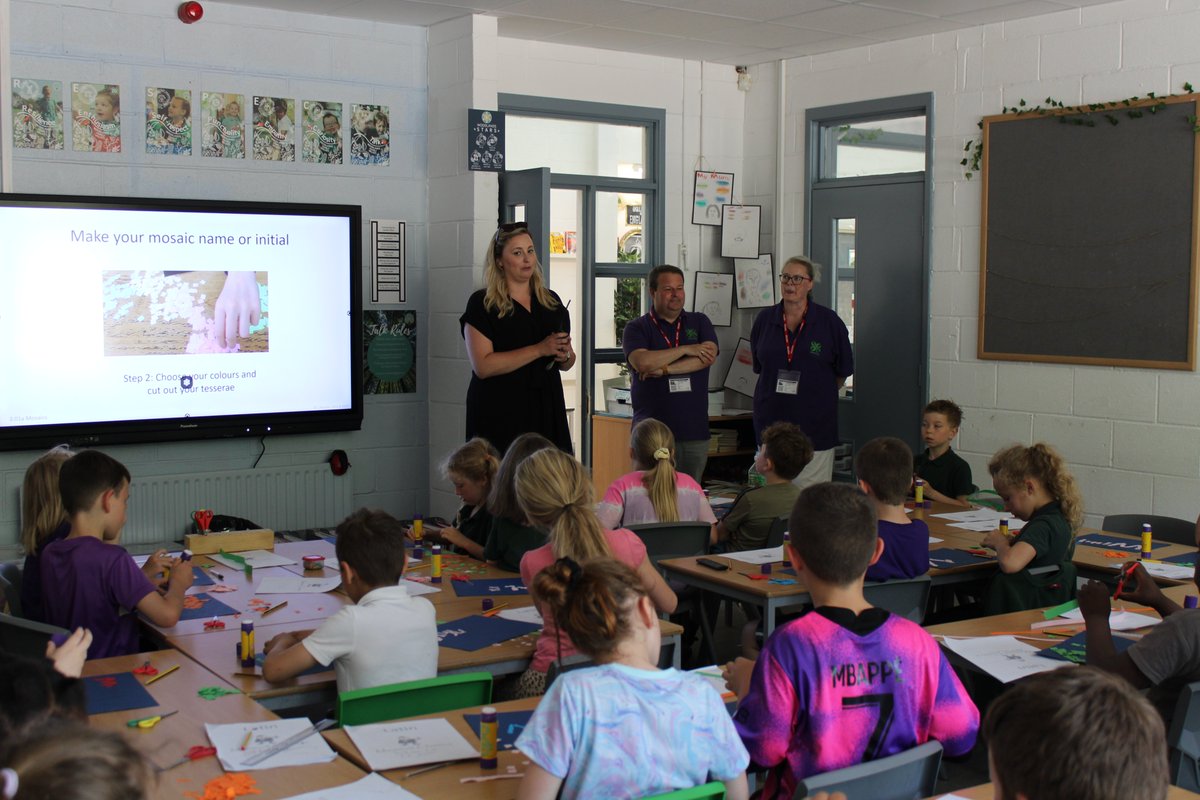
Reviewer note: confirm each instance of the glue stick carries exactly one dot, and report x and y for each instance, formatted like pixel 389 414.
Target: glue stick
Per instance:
pixel 919 492
pixel 1147 540
pixel 1004 528
pixel 418 526
pixel 489 730
pixel 435 574
pixel 248 659
pixel 1191 601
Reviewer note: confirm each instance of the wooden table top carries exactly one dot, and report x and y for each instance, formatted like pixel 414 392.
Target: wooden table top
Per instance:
pixel 169 741
pixel 444 782
pixel 1019 622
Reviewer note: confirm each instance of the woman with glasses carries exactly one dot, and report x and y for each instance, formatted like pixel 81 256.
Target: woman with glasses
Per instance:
pixel 518 341
pixel 802 356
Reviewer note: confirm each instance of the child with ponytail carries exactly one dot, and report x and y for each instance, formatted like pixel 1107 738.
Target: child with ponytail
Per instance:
pixel 654 492
pixel 472 470
pixel 1037 487
pixel 555 493
pixel 623 729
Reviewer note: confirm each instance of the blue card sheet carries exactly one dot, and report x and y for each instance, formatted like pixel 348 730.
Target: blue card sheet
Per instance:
pixel 212 607
pixel 313 670
pixel 1075 648
pixel 1108 541
pixel 508 728
pixel 946 557
pixel 120 691
pixel 200 578
pixel 477 632
pixel 1187 559
pixel 496 587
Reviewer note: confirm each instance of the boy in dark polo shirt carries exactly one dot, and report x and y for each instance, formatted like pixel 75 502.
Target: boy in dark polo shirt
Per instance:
pixel 947 477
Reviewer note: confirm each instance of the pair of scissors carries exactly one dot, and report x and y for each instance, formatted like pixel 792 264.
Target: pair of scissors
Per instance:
pixel 194 753
pixel 203 519
pixel 149 722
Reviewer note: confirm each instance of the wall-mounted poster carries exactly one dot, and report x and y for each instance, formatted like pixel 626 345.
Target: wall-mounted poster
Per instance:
pixel 322 132
pixel 710 192
pixel 369 136
pixel 389 352
pixel 741 376
pixel 274 129
pixel 37 108
pixel 97 110
pixel 485 140
pixel 168 121
pixel 755 281
pixel 714 297
pixel 224 125
pixel 739 231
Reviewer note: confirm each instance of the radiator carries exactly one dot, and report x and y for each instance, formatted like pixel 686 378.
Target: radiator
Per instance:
pixel 280 498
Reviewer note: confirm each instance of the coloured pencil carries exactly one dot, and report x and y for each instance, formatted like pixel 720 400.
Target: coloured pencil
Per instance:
pixel 249 736
pixel 273 609
pixel 162 675
pixel 494 610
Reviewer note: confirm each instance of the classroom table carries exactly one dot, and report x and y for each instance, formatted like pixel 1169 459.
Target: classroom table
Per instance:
pixel 444 782
pixel 169 741
pixel 986 791
pixel 1092 563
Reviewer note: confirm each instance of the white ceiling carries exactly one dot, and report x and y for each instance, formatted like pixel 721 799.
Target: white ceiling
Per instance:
pixel 722 31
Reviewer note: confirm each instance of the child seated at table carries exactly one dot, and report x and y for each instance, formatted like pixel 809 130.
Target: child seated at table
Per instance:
pixel 33 690
pixel 784 452
pixel 472 470
pixel 845 682
pixel 511 536
pixel 88 580
pixel 1075 733
pixel 884 469
pixel 1165 659
pixel 655 491
pixel 624 729
pixel 67 760
pixel 947 476
pixel 386 637
pixel 1035 564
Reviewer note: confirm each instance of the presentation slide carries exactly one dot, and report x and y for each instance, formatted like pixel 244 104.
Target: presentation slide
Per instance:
pixel 115 315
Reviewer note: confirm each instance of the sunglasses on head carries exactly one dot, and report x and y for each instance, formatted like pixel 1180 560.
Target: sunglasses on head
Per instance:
pixel 505 231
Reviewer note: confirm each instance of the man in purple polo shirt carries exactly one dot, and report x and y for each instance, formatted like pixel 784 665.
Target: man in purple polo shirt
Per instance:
pixel 669 352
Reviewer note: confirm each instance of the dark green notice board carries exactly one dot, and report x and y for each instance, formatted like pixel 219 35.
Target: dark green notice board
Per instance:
pixel 1089 239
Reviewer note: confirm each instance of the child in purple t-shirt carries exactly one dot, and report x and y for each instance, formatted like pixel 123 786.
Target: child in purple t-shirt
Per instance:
pixel 885 472
pixel 89 580
pixel 846 682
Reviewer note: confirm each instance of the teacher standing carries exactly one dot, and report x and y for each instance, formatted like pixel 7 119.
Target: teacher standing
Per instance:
pixel 802 356
pixel 518 341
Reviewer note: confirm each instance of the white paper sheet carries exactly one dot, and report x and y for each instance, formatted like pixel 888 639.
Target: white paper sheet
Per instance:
pixel 712 676
pixel 935 540
pixel 1117 620
pixel 259 559
pixel 767 555
pixel 407 743
pixel 372 787
pixel 1172 572
pixel 988 525
pixel 1002 657
pixel 525 614
pixel 417 589
pixel 228 741
pixel 295 584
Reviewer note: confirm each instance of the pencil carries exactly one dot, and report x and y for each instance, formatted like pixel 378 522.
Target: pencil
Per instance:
pixel 273 609
pixel 216 574
pixel 428 769
pixel 494 610
pixel 161 675
pixel 249 736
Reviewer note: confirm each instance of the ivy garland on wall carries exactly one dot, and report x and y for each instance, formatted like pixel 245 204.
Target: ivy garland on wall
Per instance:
pixel 1133 107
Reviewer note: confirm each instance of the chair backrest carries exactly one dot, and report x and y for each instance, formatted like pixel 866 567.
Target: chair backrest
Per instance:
pixel 1169 529
pixel 673 539
pixel 1183 739
pixel 568 664
pixel 904 598
pixel 24 637
pixel 775 533
pixel 905 776
pixel 414 698
pixel 712 789
pixel 11 574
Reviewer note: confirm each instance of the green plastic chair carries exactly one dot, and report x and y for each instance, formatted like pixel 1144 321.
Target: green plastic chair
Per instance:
pixel 713 789
pixel 414 698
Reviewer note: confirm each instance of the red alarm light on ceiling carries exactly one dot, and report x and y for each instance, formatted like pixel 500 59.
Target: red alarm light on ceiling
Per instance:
pixel 190 12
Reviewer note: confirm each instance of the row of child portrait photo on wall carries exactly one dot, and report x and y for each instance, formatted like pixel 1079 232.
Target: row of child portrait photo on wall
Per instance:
pixel 39 121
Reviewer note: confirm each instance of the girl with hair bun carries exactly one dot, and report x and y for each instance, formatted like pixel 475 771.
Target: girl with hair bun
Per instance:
pixel 555 493
pixel 625 728
pixel 1037 487
pixel 655 491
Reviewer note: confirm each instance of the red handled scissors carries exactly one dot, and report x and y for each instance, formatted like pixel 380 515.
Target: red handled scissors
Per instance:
pixel 203 518
pixel 193 754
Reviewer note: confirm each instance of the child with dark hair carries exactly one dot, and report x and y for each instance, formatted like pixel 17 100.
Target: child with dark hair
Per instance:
pixel 1040 730
pixel 512 536
pixel 623 729
pixel 846 682
pixel 386 637
pixel 67 760
pixel 884 467
pixel 947 476
pixel 88 580
pixel 783 454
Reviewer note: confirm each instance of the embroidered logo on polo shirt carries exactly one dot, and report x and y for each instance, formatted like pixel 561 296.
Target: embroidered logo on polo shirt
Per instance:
pixel 814 348
pixel 692 333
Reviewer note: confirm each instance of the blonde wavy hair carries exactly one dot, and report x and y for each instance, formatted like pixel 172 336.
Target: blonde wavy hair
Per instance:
pixel 41 503
pixel 653 447
pixel 555 493
pixel 1011 466
pixel 476 461
pixel 496 297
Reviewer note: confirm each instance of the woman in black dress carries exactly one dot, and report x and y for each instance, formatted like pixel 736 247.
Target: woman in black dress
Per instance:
pixel 518 341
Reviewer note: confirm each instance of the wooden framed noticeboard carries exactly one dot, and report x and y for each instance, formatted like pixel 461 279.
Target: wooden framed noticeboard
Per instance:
pixel 1089 236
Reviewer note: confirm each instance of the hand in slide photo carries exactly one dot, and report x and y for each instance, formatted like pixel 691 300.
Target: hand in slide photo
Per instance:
pixel 237 308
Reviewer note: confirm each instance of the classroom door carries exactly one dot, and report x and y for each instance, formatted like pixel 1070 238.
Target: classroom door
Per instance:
pixel 870 239
pixel 525 197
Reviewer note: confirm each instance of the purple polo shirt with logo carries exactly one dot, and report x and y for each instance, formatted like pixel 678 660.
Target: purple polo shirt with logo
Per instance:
pixel 685 413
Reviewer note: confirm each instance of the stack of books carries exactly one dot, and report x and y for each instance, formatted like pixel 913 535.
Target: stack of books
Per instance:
pixel 722 440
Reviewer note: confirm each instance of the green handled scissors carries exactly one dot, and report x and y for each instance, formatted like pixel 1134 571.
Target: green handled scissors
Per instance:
pixel 149 722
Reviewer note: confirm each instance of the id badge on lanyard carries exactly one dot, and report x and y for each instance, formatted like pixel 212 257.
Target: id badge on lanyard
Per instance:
pixel 680 383
pixel 787 381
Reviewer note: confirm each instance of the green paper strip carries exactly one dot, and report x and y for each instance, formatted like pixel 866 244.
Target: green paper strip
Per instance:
pixel 1058 611
pixel 213 692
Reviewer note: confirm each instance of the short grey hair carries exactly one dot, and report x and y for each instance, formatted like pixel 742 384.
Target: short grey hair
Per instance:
pixel 813 268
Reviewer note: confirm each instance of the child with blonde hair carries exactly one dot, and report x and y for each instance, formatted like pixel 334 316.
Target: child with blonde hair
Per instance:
pixel 1037 487
pixel 68 760
pixel 578 738
pixel 555 492
pixel 472 469
pixel 654 491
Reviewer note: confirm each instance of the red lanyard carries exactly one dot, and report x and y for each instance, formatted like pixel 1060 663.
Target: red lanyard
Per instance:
pixel 657 327
pixel 789 344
